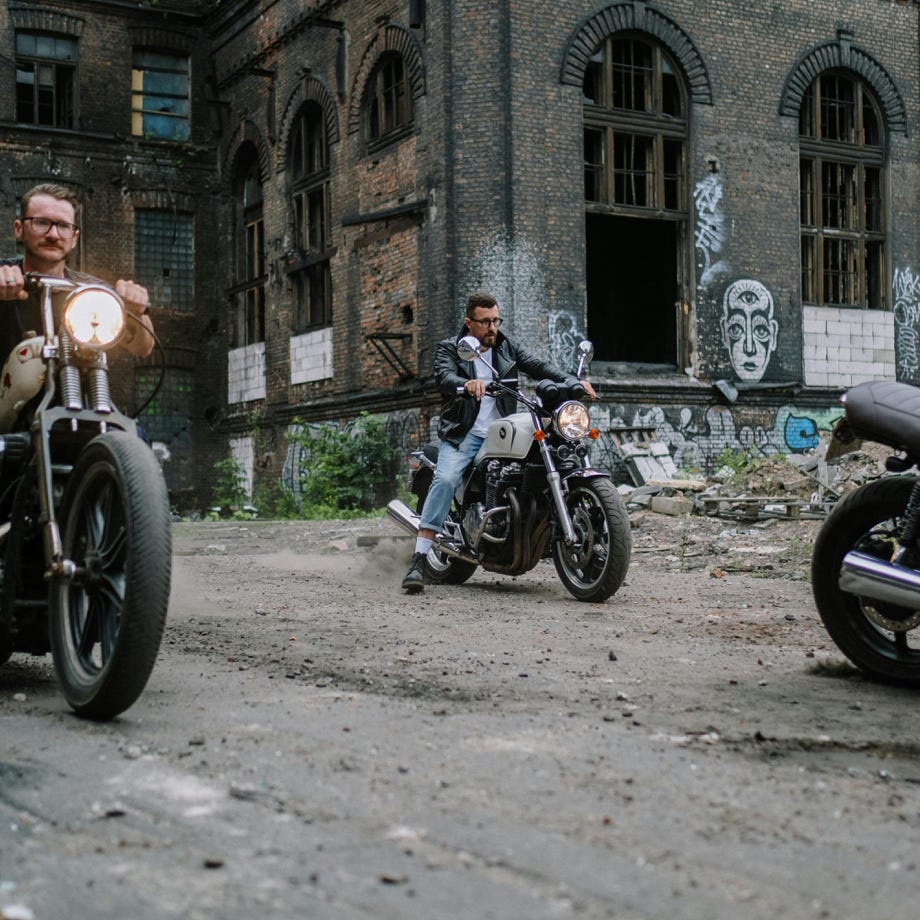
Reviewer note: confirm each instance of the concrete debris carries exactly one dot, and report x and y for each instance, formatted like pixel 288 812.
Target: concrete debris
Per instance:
pixel 798 486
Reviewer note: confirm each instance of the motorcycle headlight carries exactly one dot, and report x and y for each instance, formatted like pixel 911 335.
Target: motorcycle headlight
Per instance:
pixel 94 317
pixel 571 420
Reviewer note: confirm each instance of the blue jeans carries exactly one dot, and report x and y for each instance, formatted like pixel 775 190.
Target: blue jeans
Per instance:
pixel 452 464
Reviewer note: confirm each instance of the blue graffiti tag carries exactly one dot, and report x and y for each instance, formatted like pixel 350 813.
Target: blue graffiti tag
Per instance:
pixel 801 433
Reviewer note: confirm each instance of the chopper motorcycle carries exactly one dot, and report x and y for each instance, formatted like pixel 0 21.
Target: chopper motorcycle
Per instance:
pixel 866 559
pixel 529 493
pixel 85 543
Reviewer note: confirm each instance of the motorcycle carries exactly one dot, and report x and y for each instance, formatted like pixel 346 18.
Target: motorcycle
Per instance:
pixel 529 493
pixel 866 559
pixel 85 542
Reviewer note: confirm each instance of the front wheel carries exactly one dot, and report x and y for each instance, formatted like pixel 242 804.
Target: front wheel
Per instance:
pixel 874 635
pixel 107 619
pixel 594 568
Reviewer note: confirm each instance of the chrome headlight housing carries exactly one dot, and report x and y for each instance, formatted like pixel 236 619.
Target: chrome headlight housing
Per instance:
pixel 94 316
pixel 571 420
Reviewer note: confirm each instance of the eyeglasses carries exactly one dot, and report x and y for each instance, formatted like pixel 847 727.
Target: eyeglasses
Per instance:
pixel 43 226
pixel 488 322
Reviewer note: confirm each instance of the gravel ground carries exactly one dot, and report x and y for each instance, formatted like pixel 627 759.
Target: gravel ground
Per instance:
pixel 314 743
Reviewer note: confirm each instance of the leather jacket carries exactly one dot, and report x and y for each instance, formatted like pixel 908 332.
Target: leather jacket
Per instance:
pixel 458 413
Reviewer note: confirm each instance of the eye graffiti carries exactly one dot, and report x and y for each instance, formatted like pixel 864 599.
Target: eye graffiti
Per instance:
pixel 749 329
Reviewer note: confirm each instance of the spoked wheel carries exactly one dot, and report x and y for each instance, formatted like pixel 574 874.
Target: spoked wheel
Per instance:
pixel 880 638
pixel 107 619
pixel 595 567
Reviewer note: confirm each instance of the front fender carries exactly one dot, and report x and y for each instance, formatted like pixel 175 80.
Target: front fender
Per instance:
pixel 583 474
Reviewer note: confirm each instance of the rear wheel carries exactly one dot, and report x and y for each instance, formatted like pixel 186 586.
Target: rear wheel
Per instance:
pixel 594 568
pixel 880 638
pixel 447 570
pixel 107 619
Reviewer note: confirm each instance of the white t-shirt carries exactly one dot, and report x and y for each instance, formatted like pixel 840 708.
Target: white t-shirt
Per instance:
pixel 488 408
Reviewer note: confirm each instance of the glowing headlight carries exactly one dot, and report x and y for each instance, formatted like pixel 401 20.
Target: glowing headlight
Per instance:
pixel 571 420
pixel 94 317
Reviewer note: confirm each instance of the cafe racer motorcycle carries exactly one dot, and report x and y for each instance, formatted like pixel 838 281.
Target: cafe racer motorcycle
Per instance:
pixel 866 558
pixel 85 545
pixel 530 492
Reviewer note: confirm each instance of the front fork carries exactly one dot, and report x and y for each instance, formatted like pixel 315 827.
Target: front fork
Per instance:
pixel 555 485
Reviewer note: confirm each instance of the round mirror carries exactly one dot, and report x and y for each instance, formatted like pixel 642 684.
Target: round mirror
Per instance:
pixel 468 348
pixel 585 351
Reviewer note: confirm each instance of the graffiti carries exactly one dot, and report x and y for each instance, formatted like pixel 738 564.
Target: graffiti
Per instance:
pixel 749 330
pixel 709 236
pixel 564 337
pixel 697 438
pixel 906 287
pixel 801 433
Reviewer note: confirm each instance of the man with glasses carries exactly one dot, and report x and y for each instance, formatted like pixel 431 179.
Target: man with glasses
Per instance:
pixel 48 232
pixel 465 419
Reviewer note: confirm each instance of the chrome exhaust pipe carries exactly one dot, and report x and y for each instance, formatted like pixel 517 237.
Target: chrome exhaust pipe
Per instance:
pixel 878 580
pixel 404 516
pixel 409 521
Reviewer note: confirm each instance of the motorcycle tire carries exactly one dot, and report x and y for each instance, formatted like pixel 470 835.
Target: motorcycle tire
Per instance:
pixel 596 568
pixel 867 520
pixel 107 620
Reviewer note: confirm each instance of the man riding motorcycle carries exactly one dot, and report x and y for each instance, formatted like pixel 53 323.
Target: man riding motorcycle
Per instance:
pixel 48 232
pixel 465 419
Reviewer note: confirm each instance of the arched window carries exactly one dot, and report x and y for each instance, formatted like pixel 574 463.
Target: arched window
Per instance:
pixel 250 268
pixel 842 193
pixel 389 99
pixel 635 179
pixel 310 274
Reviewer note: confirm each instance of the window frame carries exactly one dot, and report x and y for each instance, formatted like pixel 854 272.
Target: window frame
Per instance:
pixel 617 179
pixel 64 102
pixel 843 207
pixel 250 268
pixel 389 105
pixel 141 95
pixel 309 269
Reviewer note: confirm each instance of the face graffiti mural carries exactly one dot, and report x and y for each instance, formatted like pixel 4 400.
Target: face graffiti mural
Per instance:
pixel 749 330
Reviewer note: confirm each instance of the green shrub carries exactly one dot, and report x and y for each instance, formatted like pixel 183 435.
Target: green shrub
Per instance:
pixel 230 485
pixel 352 468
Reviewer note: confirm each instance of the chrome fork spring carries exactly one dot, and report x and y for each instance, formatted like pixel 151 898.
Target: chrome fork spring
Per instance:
pixel 99 393
pixel 71 391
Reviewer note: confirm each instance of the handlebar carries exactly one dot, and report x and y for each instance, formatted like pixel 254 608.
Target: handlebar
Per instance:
pixel 493 388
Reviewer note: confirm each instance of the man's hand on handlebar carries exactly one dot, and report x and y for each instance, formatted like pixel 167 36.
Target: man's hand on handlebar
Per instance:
pixel 12 283
pixel 475 388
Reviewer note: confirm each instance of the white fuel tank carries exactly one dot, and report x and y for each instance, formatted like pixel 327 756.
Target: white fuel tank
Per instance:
pixel 510 437
pixel 22 377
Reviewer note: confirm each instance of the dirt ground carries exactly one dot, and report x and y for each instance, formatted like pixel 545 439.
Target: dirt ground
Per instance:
pixel 314 743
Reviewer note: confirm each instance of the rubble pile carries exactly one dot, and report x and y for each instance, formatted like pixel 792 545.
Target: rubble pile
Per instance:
pixel 794 486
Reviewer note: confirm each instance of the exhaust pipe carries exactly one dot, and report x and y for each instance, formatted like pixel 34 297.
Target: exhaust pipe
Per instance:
pixel 409 521
pixel 868 576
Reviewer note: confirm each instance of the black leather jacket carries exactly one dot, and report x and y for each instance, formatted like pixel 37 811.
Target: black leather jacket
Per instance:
pixel 458 413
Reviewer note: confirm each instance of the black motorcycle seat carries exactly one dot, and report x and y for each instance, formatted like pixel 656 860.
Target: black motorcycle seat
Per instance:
pixel 886 411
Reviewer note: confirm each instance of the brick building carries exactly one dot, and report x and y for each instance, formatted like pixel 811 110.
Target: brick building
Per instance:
pixel 723 196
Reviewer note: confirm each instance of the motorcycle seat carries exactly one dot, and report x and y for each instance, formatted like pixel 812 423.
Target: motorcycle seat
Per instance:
pixel 886 411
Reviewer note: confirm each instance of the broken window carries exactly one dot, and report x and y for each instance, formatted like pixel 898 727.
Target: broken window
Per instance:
pixel 309 269
pixel 248 292
pixel 841 194
pixel 160 95
pixel 164 257
pixel 389 99
pixel 635 181
pixel 45 78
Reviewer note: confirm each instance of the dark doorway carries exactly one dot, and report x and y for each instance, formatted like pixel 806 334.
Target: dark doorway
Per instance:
pixel 632 289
